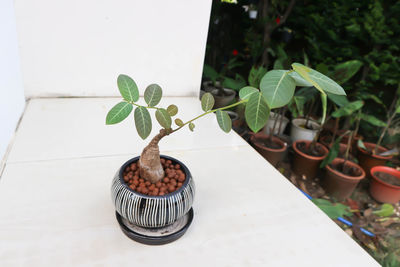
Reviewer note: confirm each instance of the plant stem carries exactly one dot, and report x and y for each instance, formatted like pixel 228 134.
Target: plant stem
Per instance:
pixel 208 112
pixel 389 121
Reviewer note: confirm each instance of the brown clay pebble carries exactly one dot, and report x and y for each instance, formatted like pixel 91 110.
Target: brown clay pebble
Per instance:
pixel 161 193
pixel 155 191
pixel 177 167
pixel 179 184
pixel 166 180
pixel 147 183
pixel 141 180
pixel 171 175
pixel 173 182
pixel 169 162
pixel 162 161
pixel 171 188
pixel 142 185
pixel 126 179
pixel 136 182
pixel 151 187
pixel 158 184
pixel 181 178
pixel 145 191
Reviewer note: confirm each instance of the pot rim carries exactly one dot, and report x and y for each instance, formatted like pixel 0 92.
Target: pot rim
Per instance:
pixel 385 169
pixel 229 91
pixel 372 145
pixel 298 120
pixel 274 138
pixel 135 159
pixel 306 155
pixel 345 176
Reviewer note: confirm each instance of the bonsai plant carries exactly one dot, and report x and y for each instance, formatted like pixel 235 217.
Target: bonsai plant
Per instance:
pixel 154 191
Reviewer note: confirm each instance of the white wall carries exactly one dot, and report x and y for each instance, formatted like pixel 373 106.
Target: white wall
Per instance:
pixel 78 47
pixel 12 100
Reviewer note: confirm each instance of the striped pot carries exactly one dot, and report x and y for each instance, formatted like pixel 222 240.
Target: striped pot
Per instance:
pixel 152 211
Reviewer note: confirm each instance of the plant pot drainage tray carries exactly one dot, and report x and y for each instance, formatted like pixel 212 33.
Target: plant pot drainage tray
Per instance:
pixel 156 236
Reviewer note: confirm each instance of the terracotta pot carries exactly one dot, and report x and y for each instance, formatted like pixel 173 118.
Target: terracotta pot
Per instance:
pixel 273 155
pixel 340 185
pixel 382 191
pixel 304 164
pixel 367 160
pixel 345 140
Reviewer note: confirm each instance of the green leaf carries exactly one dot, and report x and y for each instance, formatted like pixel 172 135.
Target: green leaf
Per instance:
pixel 128 88
pixel 152 95
pixel 339 100
pixel 320 81
pixel 234 84
pixel 178 122
pixel 332 210
pixel 210 72
pixel 245 92
pixel 360 144
pixel 118 113
pixel 299 80
pixel 385 210
pixel 163 118
pixel 143 122
pixel 348 109
pixel 366 96
pixel 333 153
pixel 344 71
pixel 172 110
pixel 256 112
pixel 207 102
pixel 191 126
pixel 255 75
pixel 224 121
pixel 372 120
pixel 300 101
pixel 324 101
pixel 277 88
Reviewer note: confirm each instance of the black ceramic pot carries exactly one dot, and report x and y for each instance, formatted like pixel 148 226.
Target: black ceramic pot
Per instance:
pixel 152 211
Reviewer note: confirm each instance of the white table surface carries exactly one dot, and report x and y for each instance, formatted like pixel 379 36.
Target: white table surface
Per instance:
pixel 55 206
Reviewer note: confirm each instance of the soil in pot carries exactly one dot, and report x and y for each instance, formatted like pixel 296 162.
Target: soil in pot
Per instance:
pixel 388 178
pixel 173 180
pixel 268 143
pixel 342 177
pixel 307 158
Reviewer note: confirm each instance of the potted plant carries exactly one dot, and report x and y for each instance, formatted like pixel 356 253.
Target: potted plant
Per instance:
pixel 370 154
pixel 385 184
pixel 222 87
pixel 342 175
pixel 153 194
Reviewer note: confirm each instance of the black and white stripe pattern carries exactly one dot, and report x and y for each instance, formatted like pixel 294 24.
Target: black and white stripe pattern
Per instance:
pixel 152 211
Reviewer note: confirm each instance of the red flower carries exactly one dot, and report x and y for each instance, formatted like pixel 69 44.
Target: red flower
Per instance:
pixel 235 52
pixel 278 20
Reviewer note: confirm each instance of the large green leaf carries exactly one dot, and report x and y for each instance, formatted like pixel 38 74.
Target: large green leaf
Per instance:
pixel 207 102
pixel 348 109
pixel 277 87
pixel 143 122
pixel 299 80
pixel 373 120
pixel 256 112
pixel 339 100
pixel 245 92
pixel 152 95
pixel 224 121
pixel 128 88
pixel 210 72
pixel 332 210
pixel 344 71
pixel 163 118
pixel 119 112
pixel 234 84
pixel 320 81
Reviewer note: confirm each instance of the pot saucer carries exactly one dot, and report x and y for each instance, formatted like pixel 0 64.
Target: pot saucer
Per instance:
pixel 156 236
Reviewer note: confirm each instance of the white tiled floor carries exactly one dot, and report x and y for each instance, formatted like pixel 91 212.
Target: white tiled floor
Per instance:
pixel 55 207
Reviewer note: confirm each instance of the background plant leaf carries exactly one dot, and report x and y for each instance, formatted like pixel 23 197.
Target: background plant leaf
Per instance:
pixel 373 120
pixel 128 88
pixel 385 210
pixel 210 72
pixel 332 210
pixel 277 87
pixel 333 153
pixel 344 71
pixel 348 109
pixel 118 113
